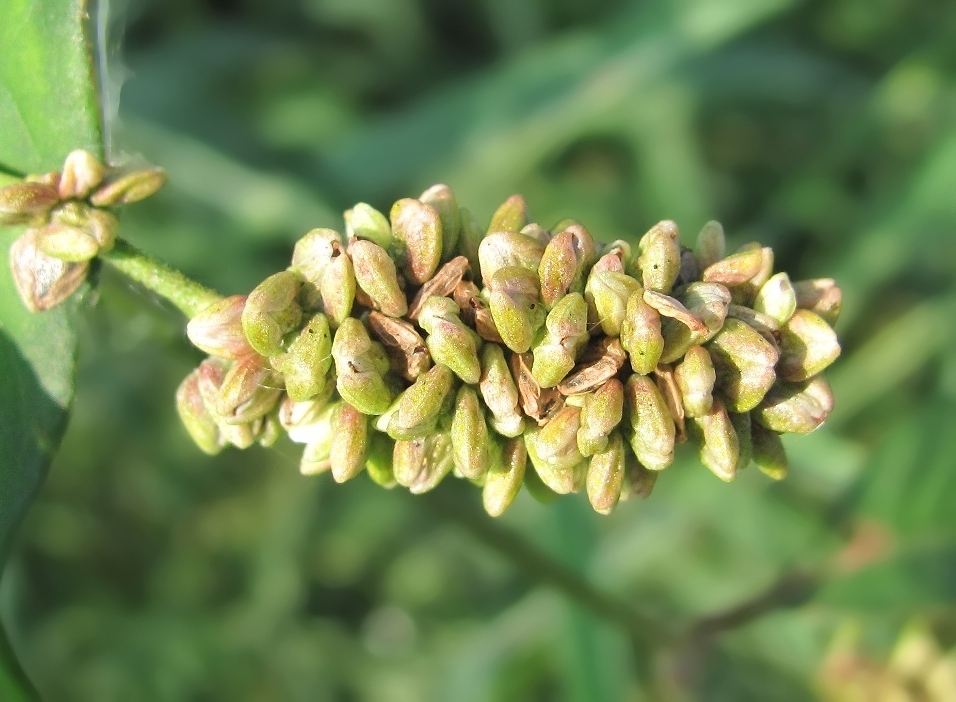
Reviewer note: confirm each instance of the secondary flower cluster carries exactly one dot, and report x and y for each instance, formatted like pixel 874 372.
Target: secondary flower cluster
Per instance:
pixel 422 344
pixel 70 223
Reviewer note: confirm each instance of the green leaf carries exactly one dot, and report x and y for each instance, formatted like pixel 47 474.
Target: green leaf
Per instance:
pixel 48 107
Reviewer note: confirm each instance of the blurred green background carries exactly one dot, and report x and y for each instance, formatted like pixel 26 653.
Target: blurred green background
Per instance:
pixel 826 129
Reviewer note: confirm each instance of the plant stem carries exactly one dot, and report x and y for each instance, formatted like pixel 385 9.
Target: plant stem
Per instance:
pixel 187 295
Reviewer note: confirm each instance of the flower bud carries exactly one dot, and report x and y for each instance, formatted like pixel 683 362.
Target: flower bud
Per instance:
pixel 553 450
pixel 360 367
pixel 365 222
pixel 82 172
pixel 271 312
pixel 503 480
pixel 507 249
pixel 719 448
pixel 807 346
pixel 566 335
pixel 708 302
pixel 668 306
pixel 660 256
pixel 498 390
pixel 307 363
pixel 747 291
pixel 337 289
pixel 377 276
pixel 316 457
pixel 735 269
pixel 821 296
pixel 129 188
pixel 418 408
pixel 516 306
pixel 470 238
pixel 449 341
pixel 212 373
pixel 638 481
pixel 563 264
pixel 66 243
pixel 743 426
pixel 605 475
pixel 22 202
pixel 250 390
pixel 511 216
pixel 420 464
pixel 664 379
pixel 42 281
pixel 649 427
pixel 744 362
pixel 766 325
pixel 777 299
pixel 442 199
pixel 103 226
pixel 311 256
pixel 271 430
pixel 469 435
pixel 695 378
pixel 199 422
pixel 794 409
pixel 710 246
pixel 416 238
pixel 610 262
pixel 607 293
pixel 641 334
pixel 379 466
pixel 601 412
pixel 768 453
pixel 350 439
pixel 217 329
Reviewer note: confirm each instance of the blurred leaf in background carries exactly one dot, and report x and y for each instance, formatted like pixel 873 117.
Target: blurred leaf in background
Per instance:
pixel 826 129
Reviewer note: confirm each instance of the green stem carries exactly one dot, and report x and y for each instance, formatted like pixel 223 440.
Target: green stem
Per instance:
pixel 189 296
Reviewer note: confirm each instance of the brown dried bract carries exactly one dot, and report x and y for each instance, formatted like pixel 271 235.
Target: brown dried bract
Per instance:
pixel 442 284
pixel 474 311
pixel 405 347
pixel 538 403
pixel 664 377
pixel 600 362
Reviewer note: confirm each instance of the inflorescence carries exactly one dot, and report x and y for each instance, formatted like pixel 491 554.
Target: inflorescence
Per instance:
pixel 421 345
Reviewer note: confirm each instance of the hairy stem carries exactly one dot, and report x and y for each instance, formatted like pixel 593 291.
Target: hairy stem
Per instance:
pixel 186 294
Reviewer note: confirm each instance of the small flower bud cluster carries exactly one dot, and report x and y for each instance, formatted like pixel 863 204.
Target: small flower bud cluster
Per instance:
pixel 419 345
pixel 69 219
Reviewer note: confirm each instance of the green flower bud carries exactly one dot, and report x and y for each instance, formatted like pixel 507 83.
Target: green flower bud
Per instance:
pixel 250 389
pixel 744 362
pixel 660 256
pixel 469 435
pixel 695 378
pixel 511 216
pixel 747 291
pixel 418 408
pixel 129 188
pixel 641 334
pixel 337 289
pixel 82 172
pixel 416 238
pixel 21 203
pixel 442 199
pixel 103 227
pixel 736 269
pixel 301 420
pixel 564 262
pixel 649 427
pixel 719 447
pixel 350 440
pixel 610 262
pixel 212 374
pixel 271 312
pixel 638 481
pixel 66 243
pixel 365 222
pixel 379 464
pixel 505 250
pixel 498 390
pixel 743 426
pixel 198 420
pixel 360 367
pixel 567 334
pixel 449 341
pixel 768 453
pixel 504 479
pixel 553 450
pixel 420 464
pixel 217 329
pixel 605 476
pixel 470 238
pixel 795 409
pixel 308 360
pixel 42 281
pixel 405 347
pixel 708 302
pixel 316 457
pixel 777 298
pixel 607 294
pixel 311 256
pixel 601 412
pixel 766 325
pixel 271 430
pixel 821 296
pixel 807 346
pixel 710 246
pixel 377 276
pixel 516 306
pixel 664 379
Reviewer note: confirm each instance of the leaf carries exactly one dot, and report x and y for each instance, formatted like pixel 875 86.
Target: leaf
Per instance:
pixel 48 107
